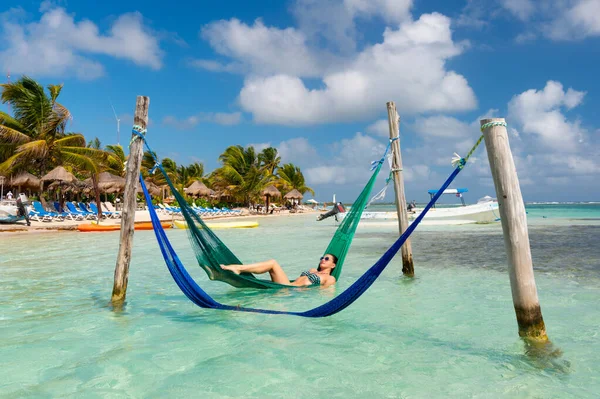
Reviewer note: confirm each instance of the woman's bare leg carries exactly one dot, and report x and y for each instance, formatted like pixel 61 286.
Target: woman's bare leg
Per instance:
pixel 271 266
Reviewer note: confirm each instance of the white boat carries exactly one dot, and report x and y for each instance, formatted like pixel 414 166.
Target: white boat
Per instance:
pixel 9 212
pixel 484 211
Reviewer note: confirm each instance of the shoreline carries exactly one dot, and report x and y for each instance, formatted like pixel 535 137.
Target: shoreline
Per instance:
pixel 141 217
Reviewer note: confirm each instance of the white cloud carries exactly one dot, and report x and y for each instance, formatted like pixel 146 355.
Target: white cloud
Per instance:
pixel 258 147
pixel 522 9
pixel 297 151
pixel 333 21
pixel 261 49
pixel 578 22
pixel 408 65
pixel 349 162
pixel 58 45
pixel 442 126
pixel 556 19
pixel 220 118
pixel 214 66
pixel 380 127
pixel 539 113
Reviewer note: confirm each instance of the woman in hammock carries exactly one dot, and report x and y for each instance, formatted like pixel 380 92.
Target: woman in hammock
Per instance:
pixel 320 276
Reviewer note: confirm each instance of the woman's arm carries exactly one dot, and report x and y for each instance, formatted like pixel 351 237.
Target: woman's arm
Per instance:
pixel 326 282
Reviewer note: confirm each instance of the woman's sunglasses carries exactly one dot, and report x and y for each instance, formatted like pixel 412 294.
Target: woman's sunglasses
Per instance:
pixel 325 258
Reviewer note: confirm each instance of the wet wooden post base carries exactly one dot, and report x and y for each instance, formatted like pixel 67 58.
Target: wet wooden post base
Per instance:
pixel 408 268
pixel 514 228
pixel 136 151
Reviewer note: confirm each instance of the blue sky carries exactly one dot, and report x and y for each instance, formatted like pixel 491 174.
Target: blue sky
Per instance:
pixel 312 77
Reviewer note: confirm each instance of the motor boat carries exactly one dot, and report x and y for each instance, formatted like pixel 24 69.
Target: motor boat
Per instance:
pixel 484 211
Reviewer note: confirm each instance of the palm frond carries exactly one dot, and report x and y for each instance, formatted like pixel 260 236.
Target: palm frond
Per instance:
pixel 37 149
pixel 9 135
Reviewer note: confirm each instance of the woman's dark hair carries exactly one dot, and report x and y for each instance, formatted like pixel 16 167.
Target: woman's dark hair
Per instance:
pixel 335 260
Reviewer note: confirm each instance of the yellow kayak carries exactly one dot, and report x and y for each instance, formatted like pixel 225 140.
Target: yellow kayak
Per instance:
pixel 241 224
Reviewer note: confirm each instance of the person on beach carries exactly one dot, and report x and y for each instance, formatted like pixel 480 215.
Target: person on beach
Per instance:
pixel 9 195
pixel 319 276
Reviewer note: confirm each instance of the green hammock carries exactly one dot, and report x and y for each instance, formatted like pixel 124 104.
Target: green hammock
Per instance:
pixel 211 252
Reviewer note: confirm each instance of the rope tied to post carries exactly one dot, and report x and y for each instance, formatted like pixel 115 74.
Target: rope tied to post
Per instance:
pixel 492 124
pixel 137 131
pixel 375 163
pixel 459 161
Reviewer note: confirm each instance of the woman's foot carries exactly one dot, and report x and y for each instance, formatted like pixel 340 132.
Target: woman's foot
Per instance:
pixel 231 268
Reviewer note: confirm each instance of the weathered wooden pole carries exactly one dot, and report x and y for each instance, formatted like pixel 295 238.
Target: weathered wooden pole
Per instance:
pixel 408 268
pixel 514 228
pixel 136 151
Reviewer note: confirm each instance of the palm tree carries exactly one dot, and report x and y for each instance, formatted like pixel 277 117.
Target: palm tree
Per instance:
pixel 292 178
pixel 36 133
pixel 117 155
pixel 241 175
pixel 269 159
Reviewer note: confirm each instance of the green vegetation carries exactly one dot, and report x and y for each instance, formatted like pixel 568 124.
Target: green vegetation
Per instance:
pixel 35 139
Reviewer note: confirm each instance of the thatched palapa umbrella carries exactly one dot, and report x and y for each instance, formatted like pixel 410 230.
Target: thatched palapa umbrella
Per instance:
pixel 269 192
pixel 109 182
pixel 198 188
pixel 61 175
pixel 293 195
pixel 153 189
pixel 26 180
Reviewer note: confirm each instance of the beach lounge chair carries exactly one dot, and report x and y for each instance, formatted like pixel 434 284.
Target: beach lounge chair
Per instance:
pixel 109 206
pixel 112 214
pixel 65 213
pixel 93 208
pixel 72 209
pixel 89 214
pixel 38 213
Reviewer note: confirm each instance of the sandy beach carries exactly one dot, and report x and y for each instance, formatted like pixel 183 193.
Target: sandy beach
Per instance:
pixel 140 217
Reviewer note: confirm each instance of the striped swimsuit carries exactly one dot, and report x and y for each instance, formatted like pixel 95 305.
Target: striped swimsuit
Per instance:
pixel 313 277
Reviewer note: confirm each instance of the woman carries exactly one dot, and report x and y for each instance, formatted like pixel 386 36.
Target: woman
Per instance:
pixel 320 276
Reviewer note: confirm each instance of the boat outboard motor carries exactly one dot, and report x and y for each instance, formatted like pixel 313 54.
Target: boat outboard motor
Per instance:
pixel 337 208
pixel 22 200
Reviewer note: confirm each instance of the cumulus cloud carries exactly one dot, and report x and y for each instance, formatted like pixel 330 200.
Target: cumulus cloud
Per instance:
pixel 556 19
pixel 333 22
pixel 522 9
pixel 349 162
pixel 380 127
pixel 577 22
pixel 540 114
pixel 259 49
pixel 57 44
pixel 297 151
pixel 220 118
pixel 409 65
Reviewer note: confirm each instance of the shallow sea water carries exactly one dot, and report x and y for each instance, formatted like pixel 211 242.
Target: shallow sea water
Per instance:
pixel 450 332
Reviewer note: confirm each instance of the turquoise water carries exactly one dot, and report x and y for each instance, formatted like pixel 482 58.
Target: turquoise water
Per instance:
pixel 449 332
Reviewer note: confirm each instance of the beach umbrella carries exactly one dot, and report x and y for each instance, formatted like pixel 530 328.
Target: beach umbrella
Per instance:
pixel 153 189
pixel 108 181
pixel 293 195
pixel 26 180
pixel 270 191
pixel 312 201
pixel 198 188
pixel 59 174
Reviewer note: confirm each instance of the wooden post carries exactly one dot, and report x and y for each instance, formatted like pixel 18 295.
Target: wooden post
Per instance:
pixel 136 151
pixel 514 228
pixel 408 268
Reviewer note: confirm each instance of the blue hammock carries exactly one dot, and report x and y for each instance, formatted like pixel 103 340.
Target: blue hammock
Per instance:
pixel 197 295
